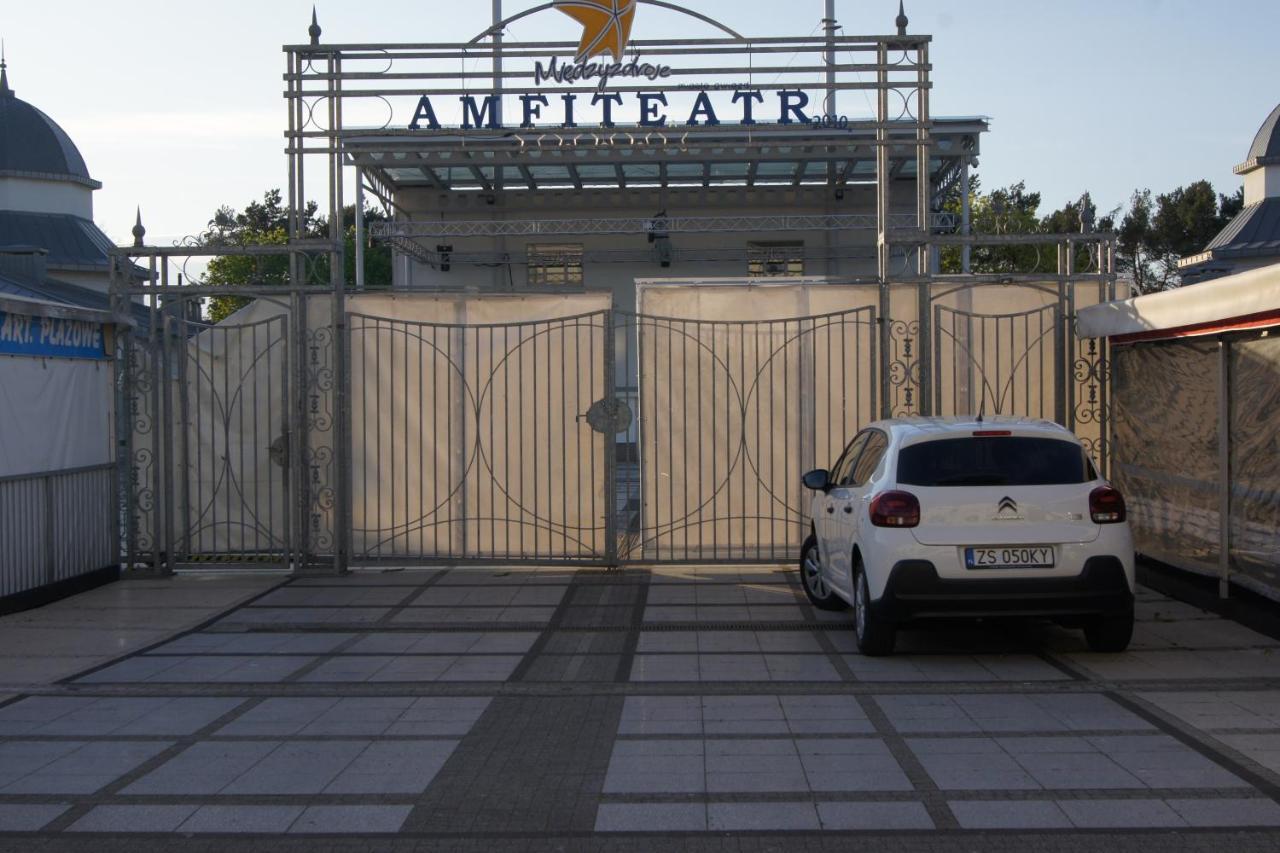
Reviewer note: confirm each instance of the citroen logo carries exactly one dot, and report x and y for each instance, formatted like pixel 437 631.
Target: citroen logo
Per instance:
pixel 1008 510
pixel 1008 504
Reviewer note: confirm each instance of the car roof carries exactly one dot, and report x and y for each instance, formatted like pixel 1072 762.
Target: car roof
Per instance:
pixel 923 429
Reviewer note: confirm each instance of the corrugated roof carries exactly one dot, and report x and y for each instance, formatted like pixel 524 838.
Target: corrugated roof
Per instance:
pixel 70 240
pixel 62 293
pixel 1255 231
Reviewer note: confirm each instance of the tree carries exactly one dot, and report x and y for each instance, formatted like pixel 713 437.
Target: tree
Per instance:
pixel 265 223
pixel 1159 231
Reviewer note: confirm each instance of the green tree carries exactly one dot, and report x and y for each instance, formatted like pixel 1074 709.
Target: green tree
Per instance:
pixel 265 223
pixel 1158 231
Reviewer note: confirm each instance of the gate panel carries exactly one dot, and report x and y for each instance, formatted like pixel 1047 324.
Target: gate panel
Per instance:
pixel 732 415
pixel 232 440
pixel 998 363
pixel 472 442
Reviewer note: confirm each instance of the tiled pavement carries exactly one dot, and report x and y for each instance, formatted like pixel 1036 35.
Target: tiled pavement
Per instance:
pixel 488 709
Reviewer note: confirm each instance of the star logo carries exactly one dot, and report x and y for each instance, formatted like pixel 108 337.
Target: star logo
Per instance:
pixel 606 25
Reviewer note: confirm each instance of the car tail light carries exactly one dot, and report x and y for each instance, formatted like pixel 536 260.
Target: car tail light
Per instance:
pixel 895 509
pixel 991 433
pixel 1106 506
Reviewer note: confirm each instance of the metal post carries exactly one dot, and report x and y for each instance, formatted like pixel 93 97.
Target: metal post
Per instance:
pixel 924 144
pixel 610 447
pixel 966 218
pixel 50 569
pixel 829 23
pixel 360 283
pixel 1224 468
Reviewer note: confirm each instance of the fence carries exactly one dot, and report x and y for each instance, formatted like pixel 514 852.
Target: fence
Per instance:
pixel 553 428
pixel 1196 444
pixel 57 526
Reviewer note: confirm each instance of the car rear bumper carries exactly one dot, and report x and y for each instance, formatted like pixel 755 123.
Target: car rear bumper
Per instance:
pixel 915 590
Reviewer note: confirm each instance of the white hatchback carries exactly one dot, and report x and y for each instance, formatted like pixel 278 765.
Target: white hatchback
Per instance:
pixel 941 517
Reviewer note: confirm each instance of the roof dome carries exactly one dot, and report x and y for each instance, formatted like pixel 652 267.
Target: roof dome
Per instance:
pixel 1266 145
pixel 34 144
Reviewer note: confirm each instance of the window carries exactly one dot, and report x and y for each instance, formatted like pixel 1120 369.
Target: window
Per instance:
pixel 872 453
pixel 555 265
pixel 1003 461
pixel 775 258
pixel 843 470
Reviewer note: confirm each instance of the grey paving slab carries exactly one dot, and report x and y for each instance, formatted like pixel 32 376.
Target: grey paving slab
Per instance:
pixel 944 713
pixel 74 716
pixel 445 642
pixel 1262 748
pixel 246 819
pixel 971 764
pixel 1009 814
pixel 384 715
pixel 253 644
pixel 1162 762
pixel 304 767
pixel 1221 710
pixel 1180 665
pixel 29 817
pixel 873 817
pixel 376 596
pixel 132 818
pixel 305 616
pixel 934 668
pixel 202 768
pixel 651 817
pixel 1120 814
pixel 359 578
pixel 656 767
pixel 506 577
pixel 1235 813
pixel 472 615
pixel 393 767
pixel 85 769
pixel 351 820
pixel 490 596
pixel 851 765
pixel 759 817
pixel 229 669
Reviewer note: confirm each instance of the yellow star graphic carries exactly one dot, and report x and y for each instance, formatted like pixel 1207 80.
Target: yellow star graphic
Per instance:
pixel 606 25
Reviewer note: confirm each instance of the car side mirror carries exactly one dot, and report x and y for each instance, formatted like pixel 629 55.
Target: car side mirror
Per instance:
pixel 817 481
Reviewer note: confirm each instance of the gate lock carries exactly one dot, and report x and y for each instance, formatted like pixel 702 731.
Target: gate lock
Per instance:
pixel 609 417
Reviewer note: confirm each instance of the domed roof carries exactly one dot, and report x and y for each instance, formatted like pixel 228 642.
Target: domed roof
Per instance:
pixel 33 143
pixel 1265 150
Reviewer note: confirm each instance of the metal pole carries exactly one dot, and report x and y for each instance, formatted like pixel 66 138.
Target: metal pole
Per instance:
pixel 1224 468
pixel 359 229
pixel 966 218
pixel 830 24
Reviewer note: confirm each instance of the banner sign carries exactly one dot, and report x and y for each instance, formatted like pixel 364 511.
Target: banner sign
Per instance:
pixel 54 337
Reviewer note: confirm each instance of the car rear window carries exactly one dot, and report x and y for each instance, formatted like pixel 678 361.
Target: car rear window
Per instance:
pixel 1000 461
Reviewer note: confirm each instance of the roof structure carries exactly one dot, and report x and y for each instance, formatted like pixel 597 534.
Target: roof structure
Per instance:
pixel 72 242
pixel 1265 150
pixel 33 145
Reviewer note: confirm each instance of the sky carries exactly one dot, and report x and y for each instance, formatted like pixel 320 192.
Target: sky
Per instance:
pixel 177 107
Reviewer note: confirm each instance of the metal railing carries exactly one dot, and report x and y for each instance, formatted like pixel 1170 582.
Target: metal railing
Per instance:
pixel 57 525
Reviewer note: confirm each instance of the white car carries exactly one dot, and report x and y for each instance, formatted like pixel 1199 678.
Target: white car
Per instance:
pixel 941 517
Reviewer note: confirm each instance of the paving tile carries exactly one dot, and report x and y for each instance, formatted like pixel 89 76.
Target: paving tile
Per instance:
pixel 129 819
pixel 253 644
pixel 1009 814
pixel 255 819
pixel 28 817
pixel 651 817
pixel 977 766
pixel 1233 813
pixel 87 717
pixel 1222 711
pixel 654 715
pixel 293 596
pixel 749 817
pixel 851 765
pixel 1264 749
pixel 351 820
pixel 874 816
pixel 202 768
pixel 665 668
pixel 393 767
pixel 83 769
pixel 1120 814
pixel 305 767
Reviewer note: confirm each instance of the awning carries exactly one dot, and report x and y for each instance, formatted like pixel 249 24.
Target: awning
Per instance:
pixel 1243 301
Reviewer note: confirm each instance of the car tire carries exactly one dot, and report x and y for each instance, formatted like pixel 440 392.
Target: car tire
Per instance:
pixel 820 595
pixel 874 634
pixel 1110 633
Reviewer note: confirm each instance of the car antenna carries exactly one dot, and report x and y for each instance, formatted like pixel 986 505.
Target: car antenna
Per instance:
pixel 982 408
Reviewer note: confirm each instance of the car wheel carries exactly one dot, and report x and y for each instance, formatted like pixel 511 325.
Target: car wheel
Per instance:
pixel 875 636
pixel 816 589
pixel 1110 633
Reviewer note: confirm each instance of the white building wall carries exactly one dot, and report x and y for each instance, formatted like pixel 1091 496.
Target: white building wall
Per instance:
pixel 850 253
pixel 37 196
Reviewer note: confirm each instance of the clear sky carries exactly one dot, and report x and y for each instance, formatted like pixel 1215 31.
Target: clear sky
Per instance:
pixel 178 107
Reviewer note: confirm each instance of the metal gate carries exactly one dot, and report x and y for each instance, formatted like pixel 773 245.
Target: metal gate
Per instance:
pixel 300 434
pixel 479 442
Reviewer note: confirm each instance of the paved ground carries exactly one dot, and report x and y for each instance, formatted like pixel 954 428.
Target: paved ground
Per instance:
pixel 678 709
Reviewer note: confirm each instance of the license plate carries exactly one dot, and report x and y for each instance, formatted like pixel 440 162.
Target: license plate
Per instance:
pixel 1010 557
